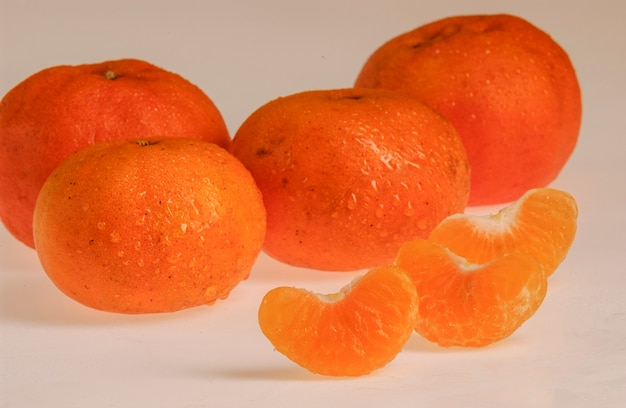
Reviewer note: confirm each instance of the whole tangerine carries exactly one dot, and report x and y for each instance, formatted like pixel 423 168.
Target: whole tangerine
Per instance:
pixel 509 88
pixel 348 175
pixel 61 109
pixel 150 225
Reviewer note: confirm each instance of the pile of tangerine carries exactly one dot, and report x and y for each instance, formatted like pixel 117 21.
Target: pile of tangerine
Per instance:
pixel 381 187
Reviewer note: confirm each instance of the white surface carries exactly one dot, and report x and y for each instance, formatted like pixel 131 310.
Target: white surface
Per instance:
pixel 57 353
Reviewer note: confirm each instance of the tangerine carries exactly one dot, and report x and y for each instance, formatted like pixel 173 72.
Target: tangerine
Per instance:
pixel 350 333
pixel 149 225
pixel 58 110
pixel 467 304
pixel 542 223
pixel 348 175
pixel 509 88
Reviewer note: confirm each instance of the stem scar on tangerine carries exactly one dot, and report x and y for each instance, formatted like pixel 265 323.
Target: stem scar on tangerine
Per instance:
pixel 110 75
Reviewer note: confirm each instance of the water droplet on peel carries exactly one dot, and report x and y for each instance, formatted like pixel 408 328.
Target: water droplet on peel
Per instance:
pixel 374 185
pixel 409 211
pixel 380 212
pixel 211 291
pixel 101 225
pixel 174 258
pixel 422 223
pixel 193 261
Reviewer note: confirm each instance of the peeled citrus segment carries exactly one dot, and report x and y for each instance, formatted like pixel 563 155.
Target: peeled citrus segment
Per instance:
pixel 471 305
pixel 349 333
pixel 541 223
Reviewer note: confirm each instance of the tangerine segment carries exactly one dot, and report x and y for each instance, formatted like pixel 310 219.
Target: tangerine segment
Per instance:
pixel 349 333
pixel 541 223
pixel 467 304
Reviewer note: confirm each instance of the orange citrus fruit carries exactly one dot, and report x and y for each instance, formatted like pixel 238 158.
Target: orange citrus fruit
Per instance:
pixel 348 175
pixel 468 304
pixel 509 88
pixel 350 333
pixel 541 223
pixel 58 110
pixel 150 225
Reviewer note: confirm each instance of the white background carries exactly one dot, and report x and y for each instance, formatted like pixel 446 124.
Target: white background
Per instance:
pixel 57 353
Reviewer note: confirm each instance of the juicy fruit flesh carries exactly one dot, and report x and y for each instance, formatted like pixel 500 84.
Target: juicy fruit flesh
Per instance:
pixel 351 333
pixel 542 223
pixel 471 305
